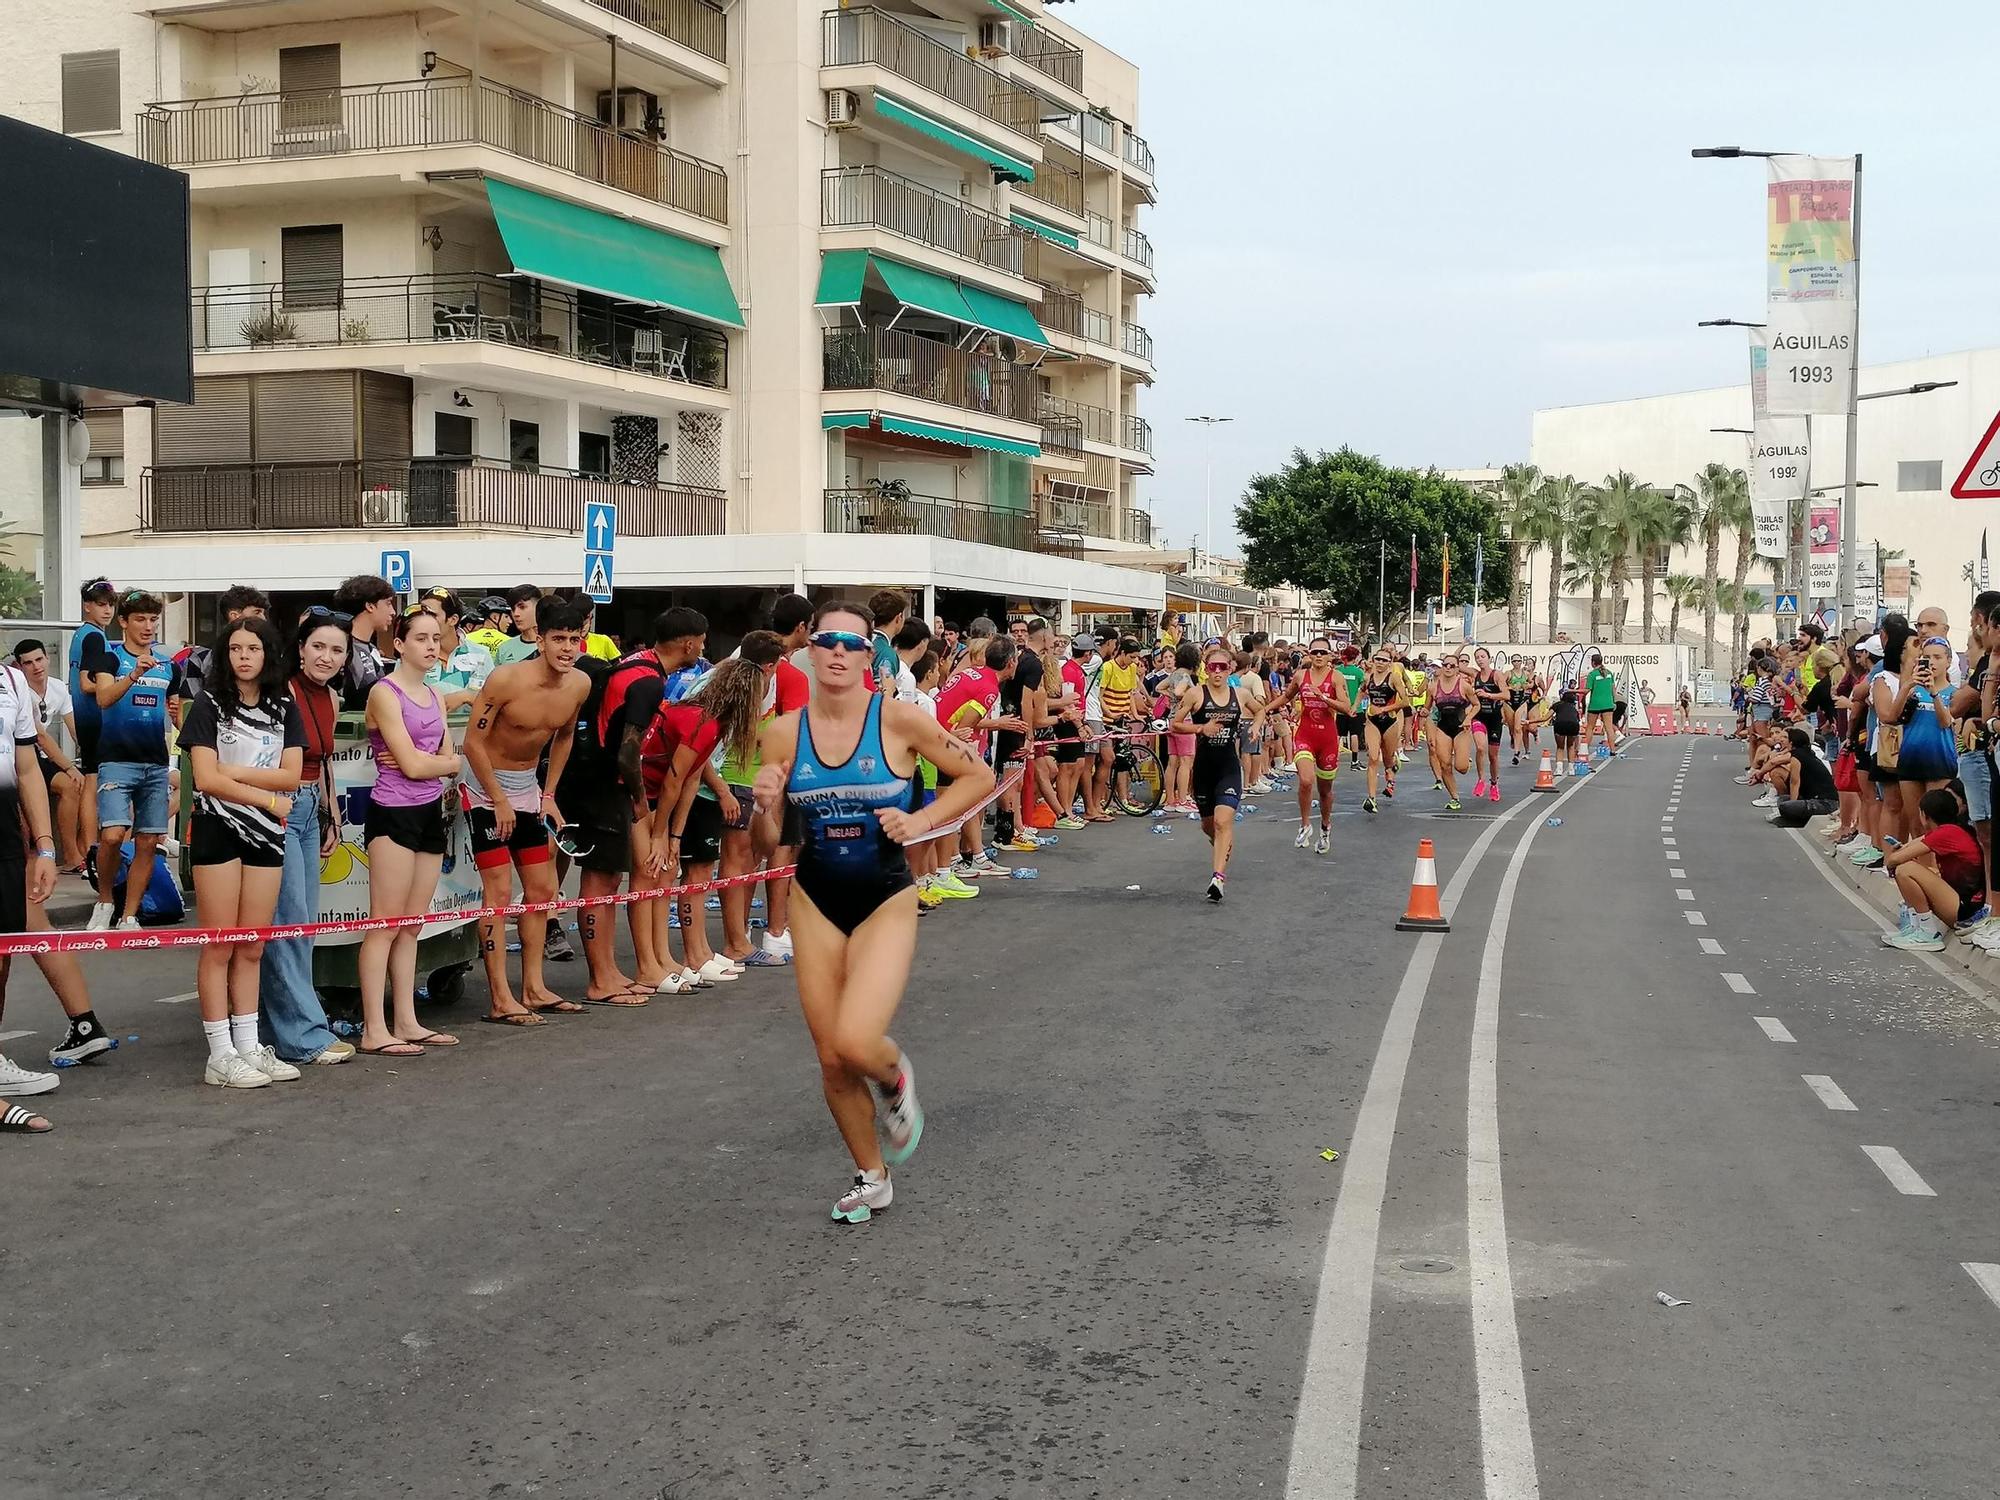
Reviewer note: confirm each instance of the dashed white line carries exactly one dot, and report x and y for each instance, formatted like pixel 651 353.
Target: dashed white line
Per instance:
pixel 1829 1092
pixel 1773 1028
pixel 1711 946
pixel 1985 1276
pixel 1738 983
pixel 176 999
pixel 1677 874
pixel 1683 893
pixel 1695 919
pixel 14 1036
pixel 1902 1176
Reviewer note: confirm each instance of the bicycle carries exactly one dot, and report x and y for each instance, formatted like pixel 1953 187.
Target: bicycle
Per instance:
pixel 1138 783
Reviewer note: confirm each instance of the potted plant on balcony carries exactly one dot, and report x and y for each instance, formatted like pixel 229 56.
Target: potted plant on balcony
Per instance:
pixel 355 330
pixel 704 362
pixel 271 326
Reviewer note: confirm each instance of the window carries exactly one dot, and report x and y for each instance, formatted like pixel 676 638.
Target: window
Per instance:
pixel 312 261
pixel 309 79
pixel 1663 559
pixel 89 92
pixel 106 464
pixel 524 444
pixel 593 454
pixel 1926 474
pixel 451 435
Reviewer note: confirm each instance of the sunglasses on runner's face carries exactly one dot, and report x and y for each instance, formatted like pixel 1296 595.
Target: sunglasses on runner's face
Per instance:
pixel 1319 651
pixel 841 640
pixel 1218 665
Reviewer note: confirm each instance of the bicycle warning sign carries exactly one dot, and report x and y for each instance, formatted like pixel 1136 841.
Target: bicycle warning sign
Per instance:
pixel 1980 478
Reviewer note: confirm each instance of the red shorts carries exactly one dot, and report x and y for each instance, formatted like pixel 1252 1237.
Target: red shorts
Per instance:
pixel 1321 742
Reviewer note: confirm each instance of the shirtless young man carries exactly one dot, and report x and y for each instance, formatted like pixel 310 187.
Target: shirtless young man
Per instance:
pixel 523 709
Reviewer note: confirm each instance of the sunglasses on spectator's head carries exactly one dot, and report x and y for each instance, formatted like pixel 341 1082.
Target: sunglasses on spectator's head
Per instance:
pixel 574 843
pixel 841 640
pixel 321 612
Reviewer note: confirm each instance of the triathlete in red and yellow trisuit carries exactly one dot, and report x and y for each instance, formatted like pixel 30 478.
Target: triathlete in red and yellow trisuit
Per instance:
pixel 1321 693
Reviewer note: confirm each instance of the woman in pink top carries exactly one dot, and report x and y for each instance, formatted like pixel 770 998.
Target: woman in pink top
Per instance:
pixel 405 835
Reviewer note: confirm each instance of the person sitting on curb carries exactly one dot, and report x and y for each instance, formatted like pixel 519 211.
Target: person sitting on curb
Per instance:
pixel 1939 875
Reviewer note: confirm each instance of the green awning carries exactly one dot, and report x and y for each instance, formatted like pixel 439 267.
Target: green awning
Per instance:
pixel 999 314
pixel 841 273
pixel 950 135
pixel 1007 10
pixel 924 290
pixel 961 437
pixel 1047 231
pixel 599 252
pixel 835 419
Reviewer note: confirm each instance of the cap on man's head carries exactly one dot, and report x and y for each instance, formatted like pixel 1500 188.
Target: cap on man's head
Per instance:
pixel 1083 640
pixel 1872 647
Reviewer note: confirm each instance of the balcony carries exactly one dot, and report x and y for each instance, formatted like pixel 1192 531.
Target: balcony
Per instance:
pixel 1049 55
pixel 474 493
pixel 852 37
pixel 1089 424
pixel 1138 153
pixel 1137 527
pixel 1085 517
pixel 1096 131
pixel 1063 311
pixel 889 510
pixel 1138 248
pixel 1137 342
pixel 692 23
pixel 425 113
pixel 1056 185
pixel 1099 230
pixel 884 359
pixel 511 310
pixel 1135 433
pixel 870 198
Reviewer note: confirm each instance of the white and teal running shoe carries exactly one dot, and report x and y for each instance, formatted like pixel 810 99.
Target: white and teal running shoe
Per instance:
pixel 871 1191
pixel 901 1117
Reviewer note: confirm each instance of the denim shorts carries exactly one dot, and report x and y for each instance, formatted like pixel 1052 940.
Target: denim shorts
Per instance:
pixel 131 794
pixel 1975 773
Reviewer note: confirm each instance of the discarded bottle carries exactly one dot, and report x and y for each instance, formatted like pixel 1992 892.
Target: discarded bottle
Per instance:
pixel 1163 828
pixel 1553 823
pixel 713 903
pixel 756 902
pixel 63 1062
pixel 1668 1299
pixel 132 1038
pixel 345 1029
pixel 1248 807
pixel 1024 872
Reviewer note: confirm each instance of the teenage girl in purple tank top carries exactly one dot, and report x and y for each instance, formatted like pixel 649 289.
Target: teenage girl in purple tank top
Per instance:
pixel 405 835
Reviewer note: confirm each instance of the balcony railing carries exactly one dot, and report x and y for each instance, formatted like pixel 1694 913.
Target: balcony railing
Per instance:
pixel 1137 526
pixel 1056 185
pixel 1099 230
pixel 1088 517
pixel 1064 311
pixel 1135 432
pixel 888 511
pixel 429 112
pixel 1061 438
pixel 1138 153
pixel 515 310
pixel 884 359
pixel 874 36
pixel 1091 424
pixel 1137 342
pixel 1049 55
pixel 851 197
pixel 692 23
pixel 1097 131
pixel 1138 247
pixel 392 494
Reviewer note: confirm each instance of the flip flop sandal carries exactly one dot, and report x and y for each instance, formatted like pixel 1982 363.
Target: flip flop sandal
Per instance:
pixel 627 1000
pixel 435 1039
pixel 19 1121
pixel 393 1049
pixel 557 1007
pixel 515 1018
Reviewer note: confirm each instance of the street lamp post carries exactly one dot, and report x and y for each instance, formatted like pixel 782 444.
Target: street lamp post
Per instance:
pixel 1208 426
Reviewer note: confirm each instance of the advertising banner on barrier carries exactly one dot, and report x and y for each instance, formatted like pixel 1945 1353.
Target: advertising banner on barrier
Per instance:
pixel 1810 300
pixel 1823 539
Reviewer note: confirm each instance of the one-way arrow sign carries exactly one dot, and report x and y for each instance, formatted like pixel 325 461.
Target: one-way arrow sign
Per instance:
pixel 600 525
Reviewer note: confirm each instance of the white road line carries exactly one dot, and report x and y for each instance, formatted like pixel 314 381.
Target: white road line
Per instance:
pixel 1710 945
pixel 1985 1276
pixel 14 1036
pixel 1326 1433
pixel 1683 893
pixel 1738 983
pixel 1773 1028
pixel 1936 965
pixel 1902 1176
pixel 1829 1093
pixel 1675 873
pixel 176 999
pixel 1695 919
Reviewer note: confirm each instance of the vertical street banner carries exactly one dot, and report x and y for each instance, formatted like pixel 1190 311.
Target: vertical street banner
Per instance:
pixel 1895 585
pixel 1780 458
pixel 1823 539
pixel 1867 596
pixel 1810 303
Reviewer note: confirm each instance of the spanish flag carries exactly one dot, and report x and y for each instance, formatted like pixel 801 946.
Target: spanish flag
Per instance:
pixel 1444 589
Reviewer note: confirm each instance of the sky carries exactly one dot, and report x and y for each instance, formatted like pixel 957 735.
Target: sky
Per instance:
pixel 1405 228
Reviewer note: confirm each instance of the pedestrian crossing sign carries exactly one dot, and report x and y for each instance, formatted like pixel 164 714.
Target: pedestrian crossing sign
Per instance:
pixel 1788 604
pixel 597 576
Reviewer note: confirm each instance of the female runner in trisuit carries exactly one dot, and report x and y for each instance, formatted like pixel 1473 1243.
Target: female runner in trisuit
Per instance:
pixel 1321 693
pixel 1487 725
pixel 1218 770
pixel 1382 698
pixel 847 763
pixel 1451 712
pixel 1520 695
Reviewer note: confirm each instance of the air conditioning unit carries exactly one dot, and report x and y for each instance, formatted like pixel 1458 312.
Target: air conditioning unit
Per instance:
pixel 842 108
pixel 637 112
pixel 996 38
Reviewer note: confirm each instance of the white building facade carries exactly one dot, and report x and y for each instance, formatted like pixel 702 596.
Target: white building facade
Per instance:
pixel 823 296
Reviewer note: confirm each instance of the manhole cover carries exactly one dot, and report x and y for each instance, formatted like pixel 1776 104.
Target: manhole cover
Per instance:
pixel 1428 1265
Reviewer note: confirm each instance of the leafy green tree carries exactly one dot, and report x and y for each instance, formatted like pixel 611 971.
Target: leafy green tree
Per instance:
pixel 1320 523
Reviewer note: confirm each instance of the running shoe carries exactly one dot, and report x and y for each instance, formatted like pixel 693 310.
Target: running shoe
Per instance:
pixel 857 1205
pixel 1215 885
pixel 1324 844
pixel 128 924
pixel 1769 799
pixel 1437 786
pixel 17 1080
pixel 1453 806
pixel 86 1039
pixel 964 869
pixel 1743 780
pixel 1070 825
pixel 1916 940
pixel 1479 790
pixel 1867 856
pixel 1389 787
pixel 1354 763
pixel 266 1061
pixel 233 1070
pixel 558 946
pixel 1368 805
pixel 779 943
pixel 1971 919
pixel 928 895
pixel 951 888
pixel 900 1116
pixel 1019 844
pixel 985 864
pixel 100 917
pixel 1305 836
pixel 1517 757
pixel 1847 838
pixel 1493 792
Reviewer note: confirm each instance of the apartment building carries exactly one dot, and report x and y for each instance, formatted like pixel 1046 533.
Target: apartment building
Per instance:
pixel 821 297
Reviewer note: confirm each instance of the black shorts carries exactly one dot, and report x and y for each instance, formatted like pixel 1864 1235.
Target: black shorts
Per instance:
pixel 86 750
pixel 213 840
pixel 701 840
pixel 1566 728
pixel 527 844
pixel 419 829
pixel 1008 745
pixel 1068 744
pixel 1346 724
pixel 13 889
pixel 1216 782
pixel 599 826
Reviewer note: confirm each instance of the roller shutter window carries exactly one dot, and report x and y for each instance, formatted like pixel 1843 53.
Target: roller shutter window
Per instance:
pixel 309 80
pixel 201 481
pixel 106 464
pixel 89 92
pixel 305 417
pixel 312 260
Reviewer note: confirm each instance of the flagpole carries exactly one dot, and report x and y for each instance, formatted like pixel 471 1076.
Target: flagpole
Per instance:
pixel 1382 589
pixel 1478 585
pixel 1413 588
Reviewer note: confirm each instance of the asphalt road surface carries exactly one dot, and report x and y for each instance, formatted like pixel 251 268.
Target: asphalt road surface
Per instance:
pixel 1658 1052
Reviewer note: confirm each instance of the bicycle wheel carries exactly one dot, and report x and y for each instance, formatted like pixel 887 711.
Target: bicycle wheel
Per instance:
pixel 1139 789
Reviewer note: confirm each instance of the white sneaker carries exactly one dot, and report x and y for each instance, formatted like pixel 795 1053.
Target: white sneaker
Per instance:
pixel 128 924
pixel 266 1061
pixel 780 943
pixel 1743 780
pixel 902 1118
pixel 986 864
pixel 233 1070
pixel 719 970
pixel 15 1079
pixel 1325 842
pixel 1305 836
pixel 100 917
pixel 1769 799
pixel 859 1203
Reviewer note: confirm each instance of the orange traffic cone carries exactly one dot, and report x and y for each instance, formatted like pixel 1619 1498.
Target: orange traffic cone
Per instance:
pixel 1545 779
pixel 1423 914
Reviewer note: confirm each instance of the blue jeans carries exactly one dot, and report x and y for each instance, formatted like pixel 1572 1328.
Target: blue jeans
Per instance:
pixel 291 1018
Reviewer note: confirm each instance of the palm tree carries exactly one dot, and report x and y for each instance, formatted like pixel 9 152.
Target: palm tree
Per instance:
pixel 1616 512
pixel 1723 502
pixel 1737 516
pixel 1518 483
pixel 1551 520
pixel 1664 518
pixel 1684 591
pixel 1589 561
